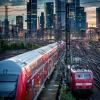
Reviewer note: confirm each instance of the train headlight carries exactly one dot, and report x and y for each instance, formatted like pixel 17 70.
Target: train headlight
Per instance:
pixel 78 84
pixel 88 84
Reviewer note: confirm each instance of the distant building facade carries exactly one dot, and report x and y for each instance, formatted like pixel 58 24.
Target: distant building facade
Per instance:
pixel 60 9
pixel 19 23
pixel 98 21
pixel 6 24
pixel 72 17
pixel 60 13
pixel 49 11
pixel 42 22
pixel 98 18
pixel 81 21
pixel 0 27
pixel 6 28
pixel 77 18
pixel 32 17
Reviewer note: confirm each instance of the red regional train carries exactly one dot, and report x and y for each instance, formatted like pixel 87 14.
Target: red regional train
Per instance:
pixel 23 77
pixel 81 80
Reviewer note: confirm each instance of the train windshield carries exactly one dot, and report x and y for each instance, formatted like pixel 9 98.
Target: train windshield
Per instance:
pixel 83 76
pixel 8 85
pixel 87 76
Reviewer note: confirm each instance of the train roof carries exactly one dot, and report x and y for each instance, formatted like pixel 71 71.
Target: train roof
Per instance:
pixel 78 68
pixel 19 61
pixel 28 57
pixel 47 49
pixel 81 70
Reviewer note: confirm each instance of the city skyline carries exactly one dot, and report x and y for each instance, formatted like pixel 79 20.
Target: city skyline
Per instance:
pixel 90 8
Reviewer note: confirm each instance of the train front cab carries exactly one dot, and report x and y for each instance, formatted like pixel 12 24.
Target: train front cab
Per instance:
pixel 82 83
pixel 9 76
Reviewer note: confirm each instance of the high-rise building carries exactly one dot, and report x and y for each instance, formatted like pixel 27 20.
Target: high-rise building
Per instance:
pixel 6 28
pixel 0 23
pixel 77 18
pixel 49 11
pixel 6 23
pixel 80 21
pixel 54 20
pixel 32 17
pixel 19 22
pixel 60 13
pixel 29 19
pixel 0 27
pixel 98 21
pixel 60 9
pixel 98 18
pixel 77 3
pixel 42 22
pixel 72 18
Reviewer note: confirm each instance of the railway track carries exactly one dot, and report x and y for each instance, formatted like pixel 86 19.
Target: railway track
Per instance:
pixel 91 60
pixel 97 83
pixel 93 66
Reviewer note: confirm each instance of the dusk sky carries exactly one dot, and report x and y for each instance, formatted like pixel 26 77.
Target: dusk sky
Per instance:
pixel 19 8
pixel 90 8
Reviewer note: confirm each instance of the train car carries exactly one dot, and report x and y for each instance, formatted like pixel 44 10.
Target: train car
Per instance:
pixel 23 77
pixel 81 80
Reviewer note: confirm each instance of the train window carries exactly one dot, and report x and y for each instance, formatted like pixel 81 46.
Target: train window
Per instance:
pixel 83 76
pixel 79 76
pixel 87 75
pixel 8 85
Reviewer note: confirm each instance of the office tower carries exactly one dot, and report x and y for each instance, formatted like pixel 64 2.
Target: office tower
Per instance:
pixel 77 18
pixel 19 22
pixel 49 11
pixel 6 23
pixel 60 13
pixel 98 18
pixel 32 17
pixel 0 27
pixel 42 22
pixel 80 21
pixel 98 21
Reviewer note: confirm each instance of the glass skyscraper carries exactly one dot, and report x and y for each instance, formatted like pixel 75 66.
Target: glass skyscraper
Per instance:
pixel 49 11
pixel 60 13
pixel 32 17
pixel 98 18
pixel 77 20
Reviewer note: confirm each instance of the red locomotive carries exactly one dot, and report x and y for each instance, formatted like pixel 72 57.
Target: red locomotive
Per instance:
pixel 81 80
pixel 23 77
